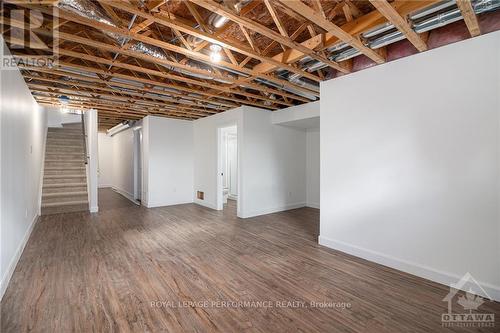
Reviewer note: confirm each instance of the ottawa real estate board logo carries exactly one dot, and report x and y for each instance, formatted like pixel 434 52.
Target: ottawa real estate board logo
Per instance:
pixel 31 33
pixel 464 302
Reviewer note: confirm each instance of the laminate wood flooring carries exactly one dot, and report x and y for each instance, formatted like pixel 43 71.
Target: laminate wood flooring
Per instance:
pixel 187 268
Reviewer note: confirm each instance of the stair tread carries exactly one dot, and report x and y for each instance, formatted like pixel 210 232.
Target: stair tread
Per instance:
pixel 64 185
pixel 65 176
pixel 65 203
pixel 62 194
pixel 62 168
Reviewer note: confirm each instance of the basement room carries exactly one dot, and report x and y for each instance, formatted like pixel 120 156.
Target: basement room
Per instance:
pixel 250 166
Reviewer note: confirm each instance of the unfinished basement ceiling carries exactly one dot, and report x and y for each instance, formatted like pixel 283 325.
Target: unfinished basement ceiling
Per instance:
pixel 192 59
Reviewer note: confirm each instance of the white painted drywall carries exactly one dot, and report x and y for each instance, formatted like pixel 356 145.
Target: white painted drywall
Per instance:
pixel 90 117
pixel 168 161
pixel 23 131
pixel 307 113
pixel 312 167
pixel 271 161
pixel 205 153
pixel 274 164
pixel 410 163
pixel 56 118
pixel 105 167
pixel 123 163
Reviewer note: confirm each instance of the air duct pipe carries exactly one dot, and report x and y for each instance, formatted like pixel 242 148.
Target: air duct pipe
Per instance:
pixel 89 10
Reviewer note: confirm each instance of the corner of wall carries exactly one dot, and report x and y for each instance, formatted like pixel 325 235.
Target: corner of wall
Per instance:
pixel 17 255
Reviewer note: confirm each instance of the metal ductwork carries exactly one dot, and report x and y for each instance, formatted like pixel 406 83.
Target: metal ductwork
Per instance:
pixel 447 13
pixel 90 11
pixel 432 17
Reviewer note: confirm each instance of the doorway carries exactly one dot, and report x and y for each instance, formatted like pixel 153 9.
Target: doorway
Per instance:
pixel 227 182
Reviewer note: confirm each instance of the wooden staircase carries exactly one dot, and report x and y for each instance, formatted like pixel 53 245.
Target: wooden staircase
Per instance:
pixel 64 179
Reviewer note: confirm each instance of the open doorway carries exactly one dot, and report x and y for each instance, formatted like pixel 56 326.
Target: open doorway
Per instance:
pixel 227 182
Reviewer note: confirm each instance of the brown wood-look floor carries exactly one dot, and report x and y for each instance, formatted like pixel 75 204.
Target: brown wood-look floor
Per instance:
pixel 100 273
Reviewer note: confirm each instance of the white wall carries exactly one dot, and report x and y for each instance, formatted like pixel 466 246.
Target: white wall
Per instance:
pixel 56 118
pixel 23 131
pixel 312 167
pixel 93 156
pixel 205 153
pixel 271 162
pixel 274 165
pixel 410 163
pixel 105 168
pixel 302 112
pixel 123 163
pixel 168 161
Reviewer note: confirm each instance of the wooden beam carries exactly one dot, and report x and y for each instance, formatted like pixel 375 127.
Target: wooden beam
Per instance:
pixel 196 16
pixel 248 51
pixel 141 96
pixel 399 22
pixel 111 48
pixel 315 17
pixel 263 30
pixel 174 48
pixel 142 86
pixel 276 18
pixel 469 16
pixel 355 27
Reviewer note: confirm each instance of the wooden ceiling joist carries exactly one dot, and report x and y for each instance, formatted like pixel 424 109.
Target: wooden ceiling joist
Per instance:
pixel 469 16
pixel 263 30
pixel 164 45
pixel 211 38
pixel 318 19
pixel 399 22
pixel 109 67
pixel 356 27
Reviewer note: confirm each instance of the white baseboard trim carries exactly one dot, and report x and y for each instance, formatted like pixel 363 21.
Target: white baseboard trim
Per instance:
pixel 204 204
pixel 17 255
pixel 105 186
pixel 166 204
pixel 312 205
pixel 272 210
pixel 422 271
pixel 126 194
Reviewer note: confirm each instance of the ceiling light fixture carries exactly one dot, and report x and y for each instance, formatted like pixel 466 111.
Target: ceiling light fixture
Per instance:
pixel 64 99
pixel 215 55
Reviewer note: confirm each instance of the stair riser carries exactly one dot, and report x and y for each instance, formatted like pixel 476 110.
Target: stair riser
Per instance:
pixel 63 150
pixel 63 164
pixel 49 190
pixel 64 156
pixel 56 130
pixel 64 142
pixel 47 181
pixel 65 172
pixel 75 134
pixel 64 199
pixel 65 209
